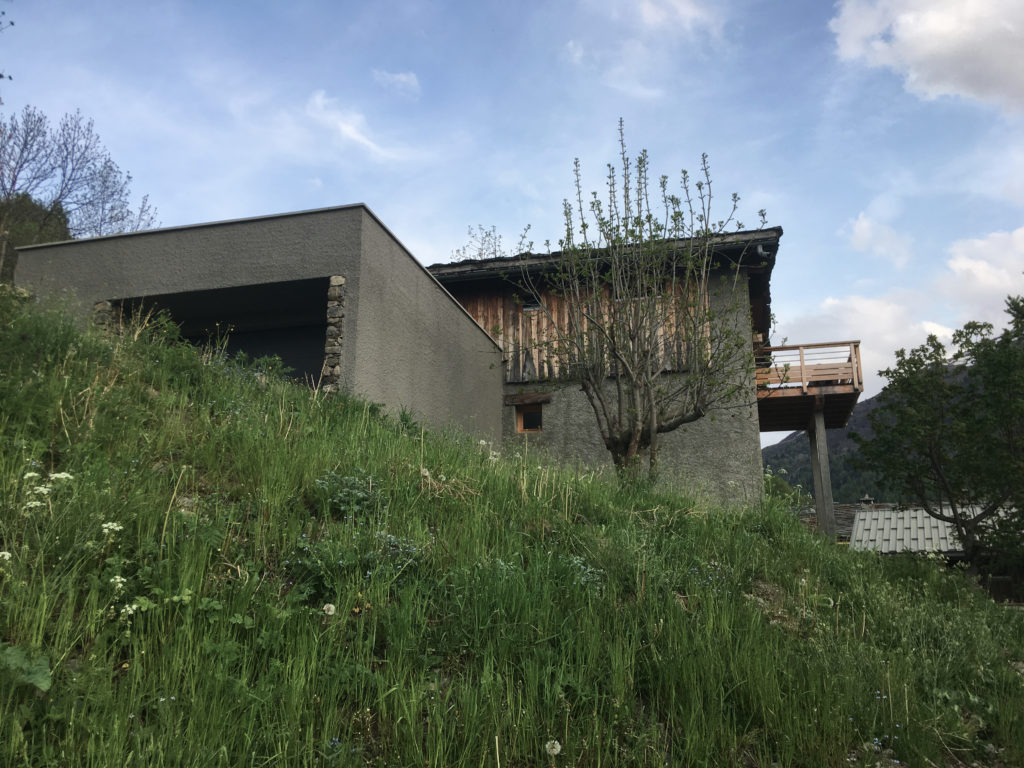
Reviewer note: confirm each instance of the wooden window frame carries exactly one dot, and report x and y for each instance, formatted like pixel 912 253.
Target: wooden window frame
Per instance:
pixel 525 409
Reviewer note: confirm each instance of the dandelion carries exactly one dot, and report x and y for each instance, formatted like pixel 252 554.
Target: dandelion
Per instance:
pixel 330 609
pixel 482 444
pixel 28 476
pixel 553 747
pixel 424 472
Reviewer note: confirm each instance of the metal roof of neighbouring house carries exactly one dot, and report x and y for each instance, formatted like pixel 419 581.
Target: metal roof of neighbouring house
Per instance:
pixel 889 530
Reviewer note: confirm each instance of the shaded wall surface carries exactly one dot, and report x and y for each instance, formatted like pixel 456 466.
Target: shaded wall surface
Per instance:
pixel 269 277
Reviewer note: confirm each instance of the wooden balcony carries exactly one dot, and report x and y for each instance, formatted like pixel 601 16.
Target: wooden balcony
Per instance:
pixel 791 379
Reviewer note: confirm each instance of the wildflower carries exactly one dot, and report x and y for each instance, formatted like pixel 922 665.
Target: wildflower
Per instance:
pixel 553 747
pixel 34 504
pixel 111 528
pixel 31 476
pixel 5 555
pixel 424 472
pixel 42 490
pixel 329 609
pixel 482 444
pixel 62 476
pixel 494 456
pixel 118 582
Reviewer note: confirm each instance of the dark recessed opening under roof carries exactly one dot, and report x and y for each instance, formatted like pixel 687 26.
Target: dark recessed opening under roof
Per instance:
pixel 285 319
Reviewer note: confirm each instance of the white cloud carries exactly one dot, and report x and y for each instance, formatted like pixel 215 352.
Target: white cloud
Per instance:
pixel 983 272
pixel 882 324
pixel 868 235
pixel 349 126
pixel 633 70
pixel 574 51
pixel 980 273
pixel 966 48
pixel 687 14
pixel 404 83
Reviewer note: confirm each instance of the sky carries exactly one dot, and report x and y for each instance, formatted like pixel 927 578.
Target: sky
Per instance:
pixel 886 137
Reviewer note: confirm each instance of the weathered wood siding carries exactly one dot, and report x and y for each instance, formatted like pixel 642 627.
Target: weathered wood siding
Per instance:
pixel 528 337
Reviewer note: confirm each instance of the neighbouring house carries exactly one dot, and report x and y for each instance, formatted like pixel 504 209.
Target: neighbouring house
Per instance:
pixel 339 299
pixel 331 292
pixel 801 387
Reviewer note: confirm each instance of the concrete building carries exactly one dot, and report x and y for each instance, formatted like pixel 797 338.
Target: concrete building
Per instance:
pixel 331 292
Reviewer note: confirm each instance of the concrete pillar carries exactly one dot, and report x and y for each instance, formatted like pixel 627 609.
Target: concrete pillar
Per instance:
pixel 823 505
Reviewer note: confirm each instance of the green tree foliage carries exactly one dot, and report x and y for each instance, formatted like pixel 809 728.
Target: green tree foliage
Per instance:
pixel 949 435
pixel 60 181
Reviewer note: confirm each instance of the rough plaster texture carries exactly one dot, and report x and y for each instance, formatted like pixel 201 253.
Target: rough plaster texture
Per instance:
pixel 414 347
pixel 417 347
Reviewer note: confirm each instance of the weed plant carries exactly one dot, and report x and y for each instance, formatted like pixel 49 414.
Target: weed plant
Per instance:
pixel 202 564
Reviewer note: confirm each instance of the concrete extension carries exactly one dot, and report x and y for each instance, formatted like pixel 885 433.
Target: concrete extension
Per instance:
pixel 332 289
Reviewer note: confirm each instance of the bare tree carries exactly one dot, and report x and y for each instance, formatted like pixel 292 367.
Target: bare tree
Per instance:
pixel 645 308
pixel 69 176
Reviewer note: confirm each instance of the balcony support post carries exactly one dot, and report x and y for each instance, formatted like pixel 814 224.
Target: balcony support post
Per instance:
pixel 823 505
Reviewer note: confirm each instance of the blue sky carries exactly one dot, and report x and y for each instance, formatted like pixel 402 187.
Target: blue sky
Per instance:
pixel 884 136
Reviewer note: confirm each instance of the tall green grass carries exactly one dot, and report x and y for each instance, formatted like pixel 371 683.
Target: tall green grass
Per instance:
pixel 202 564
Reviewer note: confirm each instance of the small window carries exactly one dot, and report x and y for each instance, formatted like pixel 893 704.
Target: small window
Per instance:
pixel 529 418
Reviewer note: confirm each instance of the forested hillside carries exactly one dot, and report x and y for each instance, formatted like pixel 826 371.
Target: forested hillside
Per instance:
pixel 848 482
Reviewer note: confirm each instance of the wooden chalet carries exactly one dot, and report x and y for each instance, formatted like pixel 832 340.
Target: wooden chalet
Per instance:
pixel 809 387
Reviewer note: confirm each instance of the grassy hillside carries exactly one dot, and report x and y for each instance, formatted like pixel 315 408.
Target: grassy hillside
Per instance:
pixel 201 565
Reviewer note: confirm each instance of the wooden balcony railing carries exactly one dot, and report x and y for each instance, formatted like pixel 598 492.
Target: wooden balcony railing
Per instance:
pixel 807 368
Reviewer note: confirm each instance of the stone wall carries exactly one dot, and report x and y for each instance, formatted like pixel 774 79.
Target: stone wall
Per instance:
pixel 331 374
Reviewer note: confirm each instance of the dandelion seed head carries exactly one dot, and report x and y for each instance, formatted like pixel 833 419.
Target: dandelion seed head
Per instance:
pixel 553 747
pixel 330 609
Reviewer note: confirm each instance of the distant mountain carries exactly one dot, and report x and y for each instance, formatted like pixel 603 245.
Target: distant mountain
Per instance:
pixel 848 483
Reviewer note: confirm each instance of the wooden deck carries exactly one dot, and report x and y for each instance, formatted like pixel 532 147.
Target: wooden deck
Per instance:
pixel 791 379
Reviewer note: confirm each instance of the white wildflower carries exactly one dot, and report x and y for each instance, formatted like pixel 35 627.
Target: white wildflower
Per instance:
pixel 424 472
pixel 62 476
pixel 118 582
pixel 482 444
pixel 5 556
pixel 28 476
pixel 34 504
pixel 553 747
pixel 42 490
pixel 111 528
pixel 494 456
pixel 329 609
pixel 128 610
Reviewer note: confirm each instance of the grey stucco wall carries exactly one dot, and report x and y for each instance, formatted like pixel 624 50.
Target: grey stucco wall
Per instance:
pixel 416 347
pixel 202 257
pixel 717 457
